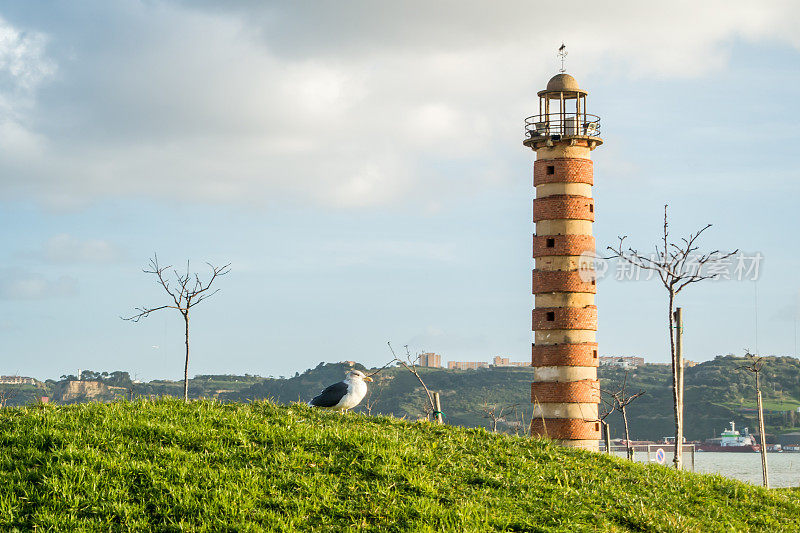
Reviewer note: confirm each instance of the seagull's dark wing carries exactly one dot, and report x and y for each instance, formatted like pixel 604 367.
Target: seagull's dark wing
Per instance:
pixel 331 395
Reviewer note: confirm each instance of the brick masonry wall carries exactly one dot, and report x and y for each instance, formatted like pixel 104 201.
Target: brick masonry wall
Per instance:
pixel 566 429
pixel 563 206
pixel 561 281
pixel 584 354
pixel 562 245
pixel 565 170
pixel 565 318
pixel 583 391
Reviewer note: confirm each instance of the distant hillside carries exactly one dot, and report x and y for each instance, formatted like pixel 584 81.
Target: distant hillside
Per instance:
pixel 717 392
pixel 208 466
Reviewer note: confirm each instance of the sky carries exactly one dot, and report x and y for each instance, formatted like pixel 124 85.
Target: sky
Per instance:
pixel 360 165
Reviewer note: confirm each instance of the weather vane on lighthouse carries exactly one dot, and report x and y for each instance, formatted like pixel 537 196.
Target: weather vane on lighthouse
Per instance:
pixel 562 53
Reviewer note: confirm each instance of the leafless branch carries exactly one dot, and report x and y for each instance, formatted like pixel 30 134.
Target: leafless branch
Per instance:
pixel 6 395
pixel 496 412
pixel 619 401
pixel 678 265
pixel 373 396
pixel 410 364
pixel 188 291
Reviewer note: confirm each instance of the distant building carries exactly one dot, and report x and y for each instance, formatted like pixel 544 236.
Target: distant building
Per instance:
pixel 17 380
pixel 466 365
pixel 628 362
pixel 506 361
pixel 686 363
pixel 430 359
pixel 348 363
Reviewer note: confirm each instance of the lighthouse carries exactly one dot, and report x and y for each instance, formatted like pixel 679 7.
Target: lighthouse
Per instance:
pixel 565 392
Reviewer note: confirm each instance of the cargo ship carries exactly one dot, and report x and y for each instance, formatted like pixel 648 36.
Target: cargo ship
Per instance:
pixel 730 440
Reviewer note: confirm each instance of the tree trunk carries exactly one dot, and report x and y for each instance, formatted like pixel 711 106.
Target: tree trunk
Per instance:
pixel 761 433
pixel 186 365
pixel 681 368
pixel 628 448
pixel 676 397
pixel 608 437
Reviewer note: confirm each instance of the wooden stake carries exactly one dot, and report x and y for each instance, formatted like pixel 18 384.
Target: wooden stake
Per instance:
pixel 437 406
pixel 679 388
pixel 761 432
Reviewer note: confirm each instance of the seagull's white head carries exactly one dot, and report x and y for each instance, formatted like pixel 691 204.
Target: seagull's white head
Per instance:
pixel 358 374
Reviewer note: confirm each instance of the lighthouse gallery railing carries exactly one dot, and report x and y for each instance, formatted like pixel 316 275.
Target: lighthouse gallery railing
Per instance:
pixel 563 124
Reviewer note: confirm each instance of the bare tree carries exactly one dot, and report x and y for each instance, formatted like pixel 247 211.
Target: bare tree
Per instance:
pixel 620 401
pixel 410 364
pixel 373 396
pixel 607 409
pixel 521 421
pixel 6 395
pixel 189 290
pixel 755 364
pixel 496 412
pixel 677 265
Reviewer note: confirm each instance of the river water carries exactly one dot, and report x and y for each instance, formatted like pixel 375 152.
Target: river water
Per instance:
pixel 783 468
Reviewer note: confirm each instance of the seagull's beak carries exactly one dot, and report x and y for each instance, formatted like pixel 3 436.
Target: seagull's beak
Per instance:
pixel 367 378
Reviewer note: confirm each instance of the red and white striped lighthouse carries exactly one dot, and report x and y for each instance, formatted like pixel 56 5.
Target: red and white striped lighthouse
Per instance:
pixel 565 391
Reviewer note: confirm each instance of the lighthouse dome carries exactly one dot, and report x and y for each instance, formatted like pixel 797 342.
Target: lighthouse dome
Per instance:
pixel 562 82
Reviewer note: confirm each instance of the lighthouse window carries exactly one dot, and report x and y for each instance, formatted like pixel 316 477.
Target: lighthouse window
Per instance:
pixel 551 169
pixel 591 208
pixel 551 243
pixel 551 316
pixel 595 354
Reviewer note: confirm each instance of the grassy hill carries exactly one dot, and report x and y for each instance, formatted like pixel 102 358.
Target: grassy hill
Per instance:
pixel 209 466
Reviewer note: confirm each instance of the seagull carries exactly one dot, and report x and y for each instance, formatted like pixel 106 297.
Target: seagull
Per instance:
pixel 344 395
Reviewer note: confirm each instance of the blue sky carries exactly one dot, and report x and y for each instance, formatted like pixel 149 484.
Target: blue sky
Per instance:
pixel 361 167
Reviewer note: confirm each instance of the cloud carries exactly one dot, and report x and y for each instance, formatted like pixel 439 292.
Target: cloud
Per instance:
pixel 19 285
pixel 23 64
pixel 64 248
pixel 23 67
pixel 263 104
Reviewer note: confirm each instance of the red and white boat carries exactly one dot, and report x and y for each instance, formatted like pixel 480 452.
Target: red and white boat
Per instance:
pixel 730 440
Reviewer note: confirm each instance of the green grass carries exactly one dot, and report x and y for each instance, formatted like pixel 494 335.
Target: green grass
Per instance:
pixel 206 466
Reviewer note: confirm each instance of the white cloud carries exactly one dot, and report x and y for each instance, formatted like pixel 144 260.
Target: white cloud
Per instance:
pixel 23 64
pixel 21 285
pixel 23 67
pixel 65 248
pixel 344 105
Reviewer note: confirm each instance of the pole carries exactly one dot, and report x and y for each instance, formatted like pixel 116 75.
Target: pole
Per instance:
pixel 607 437
pixel 437 406
pixel 761 432
pixel 679 392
